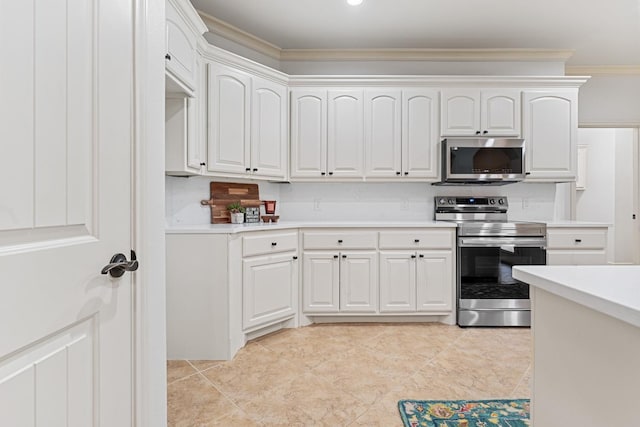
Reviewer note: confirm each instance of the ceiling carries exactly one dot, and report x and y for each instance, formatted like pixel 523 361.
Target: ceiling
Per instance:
pixel 601 32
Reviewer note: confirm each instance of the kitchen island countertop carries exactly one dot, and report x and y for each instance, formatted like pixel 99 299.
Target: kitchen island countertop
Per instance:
pixel 613 290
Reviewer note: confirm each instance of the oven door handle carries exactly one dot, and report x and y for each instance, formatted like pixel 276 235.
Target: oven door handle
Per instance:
pixel 508 242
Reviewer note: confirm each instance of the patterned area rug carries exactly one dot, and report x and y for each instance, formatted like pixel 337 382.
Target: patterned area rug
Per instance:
pixel 465 413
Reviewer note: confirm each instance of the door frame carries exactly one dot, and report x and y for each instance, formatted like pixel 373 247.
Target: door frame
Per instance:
pixel 635 179
pixel 147 217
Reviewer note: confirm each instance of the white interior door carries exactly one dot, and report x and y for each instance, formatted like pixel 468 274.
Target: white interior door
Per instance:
pixel 66 79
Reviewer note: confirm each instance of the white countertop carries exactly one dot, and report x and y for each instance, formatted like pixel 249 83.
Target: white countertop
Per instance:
pixel 577 224
pixel 240 228
pixel 613 290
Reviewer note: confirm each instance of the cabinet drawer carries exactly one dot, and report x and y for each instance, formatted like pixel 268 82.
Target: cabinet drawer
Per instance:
pixel 577 238
pixel 576 257
pixel 269 242
pixel 418 239
pixel 340 240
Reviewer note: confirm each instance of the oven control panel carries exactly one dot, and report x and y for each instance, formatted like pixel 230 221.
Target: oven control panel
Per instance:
pixel 471 203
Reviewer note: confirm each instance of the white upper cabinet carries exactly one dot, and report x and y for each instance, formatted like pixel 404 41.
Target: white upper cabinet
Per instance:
pixel 401 133
pixel 550 130
pixel 345 141
pixel 420 133
pixel 474 112
pixel 308 133
pixel 229 126
pixel 327 133
pixel 269 129
pixel 180 59
pixel 383 133
pixel 247 125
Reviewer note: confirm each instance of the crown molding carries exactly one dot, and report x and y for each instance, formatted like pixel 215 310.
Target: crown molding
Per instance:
pixel 190 15
pixel 602 70
pixel 235 34
pixel 457 55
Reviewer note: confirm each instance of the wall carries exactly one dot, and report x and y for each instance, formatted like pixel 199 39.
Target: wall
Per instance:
pixel 610 100
pixel 357 201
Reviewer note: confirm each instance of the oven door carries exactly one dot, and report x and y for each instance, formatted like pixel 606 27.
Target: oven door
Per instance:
pixel 484 271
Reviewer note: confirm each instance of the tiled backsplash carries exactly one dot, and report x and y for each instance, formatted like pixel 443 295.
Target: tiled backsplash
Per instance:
pixel 362 201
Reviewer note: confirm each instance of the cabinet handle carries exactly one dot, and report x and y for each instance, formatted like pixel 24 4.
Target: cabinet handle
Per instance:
pixel 247 169
pixel 344 256
pixel 398 173
pixel 485 132
pixel 578 240
pixel 413 256
pixel 322 173
pixel 295 257
pixel 203 164
pixel 255 169
pixel 274 243
pixel 416 240
pixel 477 132
pixel 330 173
pixel 421 255
pixel 339 240
pixel 527 173
pixel 167 57
pixel 335 256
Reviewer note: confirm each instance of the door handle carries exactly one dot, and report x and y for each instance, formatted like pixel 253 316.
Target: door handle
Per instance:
pixel 119 265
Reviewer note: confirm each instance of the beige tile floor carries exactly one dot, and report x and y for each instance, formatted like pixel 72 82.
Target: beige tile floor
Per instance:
pixel 348 375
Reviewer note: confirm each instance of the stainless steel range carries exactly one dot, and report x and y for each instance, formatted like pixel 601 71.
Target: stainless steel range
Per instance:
pixel 488 246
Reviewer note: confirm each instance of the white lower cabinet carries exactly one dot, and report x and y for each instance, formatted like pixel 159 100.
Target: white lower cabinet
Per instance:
pixel 577 245
pixel 268 289
pixel 340 281
pixel 416 281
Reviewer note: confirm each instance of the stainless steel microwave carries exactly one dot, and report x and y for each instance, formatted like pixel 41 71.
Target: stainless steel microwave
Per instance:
pixel 492 161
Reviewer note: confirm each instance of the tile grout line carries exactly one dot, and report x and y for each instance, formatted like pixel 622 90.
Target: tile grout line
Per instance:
pixel 526 371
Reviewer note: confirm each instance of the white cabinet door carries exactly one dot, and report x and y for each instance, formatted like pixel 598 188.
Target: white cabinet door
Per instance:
pixel 550 126
pixel 181 148
pixel 460 111
pixel 268 289
pixel 500 112
pixel 397 281
pixel 383 133
pixel 181 48
pixel 345 140
pixel 269 144
pixel 434 281
pixel 358 282
pixel 308 133
pixel 420 135
pixel 321 282
pixel 229 122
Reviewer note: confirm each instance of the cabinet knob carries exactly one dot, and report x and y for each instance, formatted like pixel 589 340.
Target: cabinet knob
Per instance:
pixel 406 173
pixel 335 256
pixel 339 240
pixel 255 169
pixel 578 240
pixel 527 173
pixel 274 243
pixel 330 173
pixel 484 132
pixel 398 173
pixel 477 132
pixel 322 173
pixel 416 240
pixel 247 169
pixel 167 57
pixel 295 257
pixel 203 164
pixel 413 256
pixel 344 256
pixel 421 255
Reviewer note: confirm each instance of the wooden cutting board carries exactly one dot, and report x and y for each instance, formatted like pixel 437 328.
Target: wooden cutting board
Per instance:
pixel 225 193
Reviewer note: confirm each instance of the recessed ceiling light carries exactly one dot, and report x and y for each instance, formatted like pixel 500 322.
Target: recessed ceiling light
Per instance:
pixel 355 2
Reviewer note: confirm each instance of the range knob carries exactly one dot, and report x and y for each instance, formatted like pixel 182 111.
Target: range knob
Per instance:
pixel 451 201
pixel 492 201
pixel 501 201
pixel 442 201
